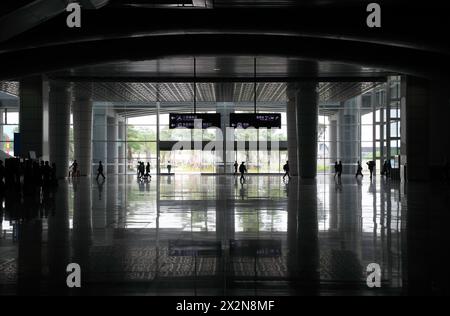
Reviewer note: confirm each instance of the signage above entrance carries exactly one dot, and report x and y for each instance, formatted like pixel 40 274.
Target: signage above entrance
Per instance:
pixel 187 120
pixel 256 120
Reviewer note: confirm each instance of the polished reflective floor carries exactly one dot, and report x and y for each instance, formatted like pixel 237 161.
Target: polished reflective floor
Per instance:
pixel 212 235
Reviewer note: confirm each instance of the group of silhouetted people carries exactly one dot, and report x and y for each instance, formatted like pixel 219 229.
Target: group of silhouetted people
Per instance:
pixel 143 171
pixel 27 175
pixel 386 171
pixel 243 170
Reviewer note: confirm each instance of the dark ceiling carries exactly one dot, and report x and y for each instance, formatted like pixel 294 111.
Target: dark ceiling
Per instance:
pixel 126 39
pixel 221 69
pixel 207 92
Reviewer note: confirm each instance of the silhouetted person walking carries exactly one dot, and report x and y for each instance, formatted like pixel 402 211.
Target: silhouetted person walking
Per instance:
pixel 359 170
pixel 236 165
pixel 336 169
pixel 386 168
pixel 142 169
pixel 371 165
pixel 147 170
pixel 286 170
pixel 100 170
pixel 242 170
pixel 340 169
pixel 169 167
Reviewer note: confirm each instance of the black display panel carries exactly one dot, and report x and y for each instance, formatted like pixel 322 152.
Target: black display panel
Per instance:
pixel 256 120
pixel 255 248
pixel 199 248
pixel 186 120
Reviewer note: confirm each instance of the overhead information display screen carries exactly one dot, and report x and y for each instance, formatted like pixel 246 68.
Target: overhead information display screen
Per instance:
pixel 256 120
pixel 255 248
pixel 200 248
pixel 187 120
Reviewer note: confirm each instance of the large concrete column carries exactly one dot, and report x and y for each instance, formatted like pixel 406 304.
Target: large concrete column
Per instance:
pixel 59 126
pixel 425 142
pixel 121 150
pixel 291 120
pixel 82 127
pixel 333 140
pixel 416 96
pixel 99 137
pixel 307 118
pixel 224 106
pixel 112 134
pixel 349 134
pixel 439 108
pixel 31 116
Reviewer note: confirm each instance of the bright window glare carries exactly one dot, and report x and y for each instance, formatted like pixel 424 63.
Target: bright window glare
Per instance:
pixel 143 120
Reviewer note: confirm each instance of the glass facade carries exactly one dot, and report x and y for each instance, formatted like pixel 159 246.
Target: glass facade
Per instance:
pixel 9 124
pixel 366 127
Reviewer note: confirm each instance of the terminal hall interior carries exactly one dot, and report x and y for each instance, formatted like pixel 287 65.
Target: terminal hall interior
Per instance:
pixel 343 131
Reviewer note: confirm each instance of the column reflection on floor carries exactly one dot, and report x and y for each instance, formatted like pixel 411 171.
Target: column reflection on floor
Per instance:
pixel 216 235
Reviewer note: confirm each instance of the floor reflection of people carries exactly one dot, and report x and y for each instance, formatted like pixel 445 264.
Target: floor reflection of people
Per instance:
pixel 100 188
pixel 359 181
pixel 372 186
pixel 242 191
pixel 242 170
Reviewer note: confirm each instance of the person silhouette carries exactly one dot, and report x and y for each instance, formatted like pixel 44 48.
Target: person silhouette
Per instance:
pixel 340 169
pixel 371 165
pixel 336 169
pixel 359 170
pixel 286 170
pixel 236 165
pixel 147 170
pixel 169 167
pixel 100 170
pixel 242 170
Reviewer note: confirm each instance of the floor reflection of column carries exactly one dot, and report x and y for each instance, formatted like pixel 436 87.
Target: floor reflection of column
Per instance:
pixel 373 191
pixel 292 240
pixel 157 237
pixel 100 196
pixel 334 190
pixel 82 225
pixel 307 236
pixel 389 262
pixel 111 204
pixel 351 219
pixel 30 257
pixel 417 231
pixel 59 239
pixel 224 222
